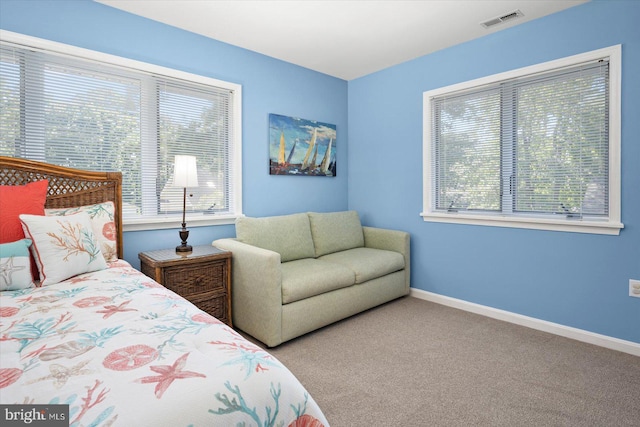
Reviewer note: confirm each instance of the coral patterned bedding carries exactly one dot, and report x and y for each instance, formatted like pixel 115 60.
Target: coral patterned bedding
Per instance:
pixel 122 350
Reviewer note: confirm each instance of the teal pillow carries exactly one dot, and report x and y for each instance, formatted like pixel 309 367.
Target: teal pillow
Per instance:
pixel 289 235
pixel 15 266
pixel 336 231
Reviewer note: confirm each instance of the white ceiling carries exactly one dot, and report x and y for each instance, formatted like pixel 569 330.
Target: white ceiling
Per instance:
pixel 343 38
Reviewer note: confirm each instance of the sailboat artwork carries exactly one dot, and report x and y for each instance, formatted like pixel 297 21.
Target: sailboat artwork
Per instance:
pixel 301 147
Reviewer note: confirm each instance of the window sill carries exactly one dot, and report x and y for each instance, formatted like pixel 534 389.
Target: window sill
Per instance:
pixel 161 223
pixel 566 225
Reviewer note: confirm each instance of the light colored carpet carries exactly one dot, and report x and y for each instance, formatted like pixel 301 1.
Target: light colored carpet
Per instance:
pixel 415 363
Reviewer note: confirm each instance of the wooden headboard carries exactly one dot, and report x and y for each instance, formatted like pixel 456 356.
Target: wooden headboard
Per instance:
pixel 68 187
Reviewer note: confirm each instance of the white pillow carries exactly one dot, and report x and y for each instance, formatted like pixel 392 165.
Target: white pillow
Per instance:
pixel 63 246
pixel 102 217
pixel 15 266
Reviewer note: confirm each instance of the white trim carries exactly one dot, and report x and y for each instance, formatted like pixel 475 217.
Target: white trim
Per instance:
pixel 531 322
pixel 235 157
pixel 161 223
pixel 611 226
pixel 561 224
pixel 615 135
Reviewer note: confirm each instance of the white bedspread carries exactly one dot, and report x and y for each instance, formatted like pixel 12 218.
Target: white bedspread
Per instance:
pixel 122 350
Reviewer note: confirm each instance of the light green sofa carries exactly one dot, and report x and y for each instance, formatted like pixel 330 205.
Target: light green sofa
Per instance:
pixel 295 273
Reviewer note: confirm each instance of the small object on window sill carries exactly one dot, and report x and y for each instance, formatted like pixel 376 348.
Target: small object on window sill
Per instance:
pixel 570 215
pixel 210 210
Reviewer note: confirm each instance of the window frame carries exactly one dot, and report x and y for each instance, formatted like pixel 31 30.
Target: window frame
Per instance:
pixel 610 225
pixel 235 154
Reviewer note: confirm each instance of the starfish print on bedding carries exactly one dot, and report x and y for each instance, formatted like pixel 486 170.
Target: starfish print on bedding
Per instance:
pixel 75 280
pixel 252 362
pixel 252 357
pixel 60 374
pixel 110 310
pixel 7 269
pixel 168 374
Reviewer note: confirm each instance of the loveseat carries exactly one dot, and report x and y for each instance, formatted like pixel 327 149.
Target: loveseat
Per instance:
pixel 295 273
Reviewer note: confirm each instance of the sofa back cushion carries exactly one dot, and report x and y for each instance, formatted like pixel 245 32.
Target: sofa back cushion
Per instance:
pixel 335 231
pixel 289 235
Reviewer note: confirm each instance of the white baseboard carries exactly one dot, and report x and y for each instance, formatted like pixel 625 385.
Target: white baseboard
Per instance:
pixel 531 322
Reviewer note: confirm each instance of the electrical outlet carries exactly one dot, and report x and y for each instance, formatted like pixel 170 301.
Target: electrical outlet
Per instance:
pixel 634 288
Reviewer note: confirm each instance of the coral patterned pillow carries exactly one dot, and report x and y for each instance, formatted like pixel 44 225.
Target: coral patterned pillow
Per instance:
pixel 64 246
pixel 15 266
pixel 16 200
pixel 102 221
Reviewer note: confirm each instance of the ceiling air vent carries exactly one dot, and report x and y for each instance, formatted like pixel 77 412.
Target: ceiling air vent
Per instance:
pixel 504 18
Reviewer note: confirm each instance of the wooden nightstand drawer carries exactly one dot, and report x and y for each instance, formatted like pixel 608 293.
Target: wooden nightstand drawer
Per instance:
pixel 213 303
pixel 195 280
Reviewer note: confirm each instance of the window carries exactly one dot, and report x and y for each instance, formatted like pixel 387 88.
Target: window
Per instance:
pixel 537 147
pixel 87 110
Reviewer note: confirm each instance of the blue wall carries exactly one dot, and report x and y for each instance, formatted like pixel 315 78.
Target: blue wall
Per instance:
pixel 578 280
pixel 268 86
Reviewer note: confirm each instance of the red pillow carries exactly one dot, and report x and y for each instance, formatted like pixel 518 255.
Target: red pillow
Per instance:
pixel 16 200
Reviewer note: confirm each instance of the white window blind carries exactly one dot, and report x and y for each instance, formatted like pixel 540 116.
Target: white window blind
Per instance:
pixel 561 139
pixel 467 150
pixel 94 115
pixel 533 145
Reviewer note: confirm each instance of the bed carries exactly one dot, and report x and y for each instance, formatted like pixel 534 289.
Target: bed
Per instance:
pixel 114 345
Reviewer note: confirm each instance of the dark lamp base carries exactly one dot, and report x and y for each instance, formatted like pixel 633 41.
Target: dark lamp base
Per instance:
pixel 184 235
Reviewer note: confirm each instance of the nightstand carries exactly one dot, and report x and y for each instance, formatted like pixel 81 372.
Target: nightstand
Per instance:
pixel 202 276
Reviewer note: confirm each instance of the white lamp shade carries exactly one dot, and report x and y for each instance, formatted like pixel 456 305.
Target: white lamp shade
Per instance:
pixel 185 173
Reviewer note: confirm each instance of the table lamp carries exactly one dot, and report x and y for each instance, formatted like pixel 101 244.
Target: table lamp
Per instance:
pixel 185 174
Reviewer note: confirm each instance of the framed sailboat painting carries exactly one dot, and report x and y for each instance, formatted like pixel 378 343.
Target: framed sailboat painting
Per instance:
pixel 301 147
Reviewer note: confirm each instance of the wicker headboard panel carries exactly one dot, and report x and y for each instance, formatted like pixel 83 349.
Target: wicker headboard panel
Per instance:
pixel 68 187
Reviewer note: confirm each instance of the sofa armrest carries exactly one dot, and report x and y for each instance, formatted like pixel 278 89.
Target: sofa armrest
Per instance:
pixel 256 290
pixel 390 240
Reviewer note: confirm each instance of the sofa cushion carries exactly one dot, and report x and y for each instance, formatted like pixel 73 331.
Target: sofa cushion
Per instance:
pixel 309 277
pixel 367 263
pixel 335 231
pixel 289 235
